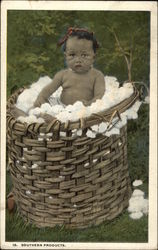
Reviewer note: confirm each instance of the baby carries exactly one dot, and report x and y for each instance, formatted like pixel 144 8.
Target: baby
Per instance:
pixel 80 81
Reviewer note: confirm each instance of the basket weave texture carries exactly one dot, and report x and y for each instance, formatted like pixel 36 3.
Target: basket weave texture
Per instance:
pixel 72 180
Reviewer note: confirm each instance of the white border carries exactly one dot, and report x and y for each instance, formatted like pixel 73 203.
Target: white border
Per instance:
pixel 88 5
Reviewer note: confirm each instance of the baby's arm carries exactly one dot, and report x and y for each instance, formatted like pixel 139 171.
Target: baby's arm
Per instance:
pixel 99 88
pixel 49 89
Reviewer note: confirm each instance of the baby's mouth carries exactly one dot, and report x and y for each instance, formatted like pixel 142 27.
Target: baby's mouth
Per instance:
pixel 78 66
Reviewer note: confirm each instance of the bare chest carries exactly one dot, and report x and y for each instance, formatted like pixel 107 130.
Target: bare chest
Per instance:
pixel 78 81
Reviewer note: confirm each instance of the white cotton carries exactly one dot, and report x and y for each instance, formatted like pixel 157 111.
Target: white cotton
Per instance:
pixel 121 122
pixel 95 160
pixel 62 133
pixel 90 134
pixel 147 100
pixel 27 98
pixel 135 204
pixel 64 116
pixel 57 93
pixel 102 127
pixel 28 192
pixel 112 96
pixel 36 111
pixel 95 128
pixel 128 85
pixel 49 134
pixel 137 183
pixel 138 205
pixel 86 164
pixel 111 82
pixel 57 109
pixel 34 166
pixel 42 134
pixel 137 192
pixel 136 215
pixel 113 131
pixel 79 132
pixel 40 139
pixel 30 119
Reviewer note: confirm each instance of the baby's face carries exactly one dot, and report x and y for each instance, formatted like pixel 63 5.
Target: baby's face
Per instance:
pixel 79 54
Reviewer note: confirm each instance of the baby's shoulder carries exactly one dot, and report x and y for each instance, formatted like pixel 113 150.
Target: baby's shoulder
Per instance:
pixel 97 73
pixel 60 74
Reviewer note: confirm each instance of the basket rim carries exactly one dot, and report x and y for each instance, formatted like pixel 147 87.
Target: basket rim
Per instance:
pixel 55 124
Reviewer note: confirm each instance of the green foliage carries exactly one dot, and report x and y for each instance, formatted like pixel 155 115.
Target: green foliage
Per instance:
pixel 138 145
pixel 33 35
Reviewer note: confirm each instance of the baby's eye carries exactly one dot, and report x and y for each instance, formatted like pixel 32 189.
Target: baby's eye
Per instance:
pixel 84 55
pixel 72 54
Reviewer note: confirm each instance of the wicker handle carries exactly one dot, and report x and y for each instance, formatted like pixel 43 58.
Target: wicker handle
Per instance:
pixel 116 112
pixel 141 90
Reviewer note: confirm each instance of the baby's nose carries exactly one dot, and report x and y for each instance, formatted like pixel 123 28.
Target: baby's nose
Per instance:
pixel 78 59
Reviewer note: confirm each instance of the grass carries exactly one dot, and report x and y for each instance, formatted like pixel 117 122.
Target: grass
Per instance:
pixel 120 229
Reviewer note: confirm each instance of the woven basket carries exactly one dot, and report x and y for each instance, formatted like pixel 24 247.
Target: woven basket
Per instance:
pixel 72 180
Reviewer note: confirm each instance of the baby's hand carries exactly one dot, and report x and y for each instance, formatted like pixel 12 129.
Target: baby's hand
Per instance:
pixel 17 112
pixel 85 103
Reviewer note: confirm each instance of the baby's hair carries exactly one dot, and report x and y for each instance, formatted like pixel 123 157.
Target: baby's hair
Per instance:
pixel 80 34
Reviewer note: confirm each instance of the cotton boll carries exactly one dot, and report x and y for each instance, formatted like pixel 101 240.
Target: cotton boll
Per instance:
pixel 95 128
pixel 57 109
pixel 62 133
pixel 70 108
pixel 58 92
pixel 102 127
pixel 64 116
pixel 30 119
pixel 124 93
pixel 111 82
pixel 78 105
pixel 81 113
pixel 41 83
pixel 90 134
pixel 136 215
pixel 128 85
pixel 34 166
pixel 132 115
pixel 137 183
pixel 36 111
pixel 96 106
pixel 121 122
pixel 79 132
pixel 28 192
pixel 26 100
pixel 46 107
pixel 74 132
pixel 21 119
pixel 135 204
pixel 40 120
pixel 113 131
pixel 147 100
pixel 137 192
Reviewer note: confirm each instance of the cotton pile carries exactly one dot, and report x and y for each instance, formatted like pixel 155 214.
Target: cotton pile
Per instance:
pixel 138 205
pixel 113 95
